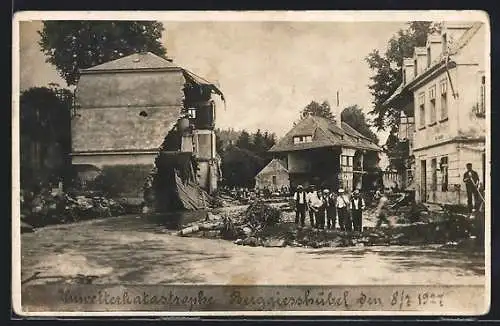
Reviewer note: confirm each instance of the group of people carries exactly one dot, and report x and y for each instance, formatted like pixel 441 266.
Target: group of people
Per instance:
pixel 324 206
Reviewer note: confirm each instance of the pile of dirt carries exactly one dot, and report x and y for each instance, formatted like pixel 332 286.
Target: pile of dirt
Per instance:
pixel 49 208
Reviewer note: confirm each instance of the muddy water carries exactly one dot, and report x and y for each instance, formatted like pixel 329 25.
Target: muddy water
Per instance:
pixel 135 250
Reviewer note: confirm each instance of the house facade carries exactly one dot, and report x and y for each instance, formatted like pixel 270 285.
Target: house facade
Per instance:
pixel 444 92
pixel 274 176
pixel 124 110
pixel 327 153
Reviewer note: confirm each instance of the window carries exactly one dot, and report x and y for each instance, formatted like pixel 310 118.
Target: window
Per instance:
pixel 404 76
pixel 421 105
pixel 444 99
pixel 444 173
pixel 192 113
pixel 274 180
pixel 428 57
pixel 415 71
pixel 347 160
pixel 302 139
pixel 434 174
pixel 482 97
pixel 432 100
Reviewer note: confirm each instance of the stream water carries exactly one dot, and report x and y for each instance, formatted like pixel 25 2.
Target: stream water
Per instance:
pixel 136 250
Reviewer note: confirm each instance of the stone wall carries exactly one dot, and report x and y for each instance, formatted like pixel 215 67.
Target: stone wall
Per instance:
pixel 125 111
pixel 266 180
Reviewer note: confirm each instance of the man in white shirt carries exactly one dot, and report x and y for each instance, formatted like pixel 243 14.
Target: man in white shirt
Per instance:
pixel 309 195
pixel 357 207
pixel 316 205
pixel 300 198
pixel 342 212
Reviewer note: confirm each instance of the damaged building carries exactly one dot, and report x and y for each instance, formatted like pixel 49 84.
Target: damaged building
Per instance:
pixel 443 101
pixel 331 153
pixel 150 124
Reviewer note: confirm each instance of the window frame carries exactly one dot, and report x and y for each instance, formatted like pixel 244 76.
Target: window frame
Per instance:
pixel 302 139
pixel 421 110
pixel 190 113
pixel 443 99
pixel 481 106
pixel 433 107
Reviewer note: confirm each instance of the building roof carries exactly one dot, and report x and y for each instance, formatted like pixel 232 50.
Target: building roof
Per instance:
pixel 464 39
pixel 148 61
pixel 135 61
pixel 325 133
pixel 273 166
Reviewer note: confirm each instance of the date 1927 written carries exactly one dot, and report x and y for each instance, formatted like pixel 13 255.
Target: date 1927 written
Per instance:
pixel 421 299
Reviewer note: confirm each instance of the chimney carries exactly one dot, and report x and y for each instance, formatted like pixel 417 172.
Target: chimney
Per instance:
pixel 407 70
pixel 434 47
pixel 420 59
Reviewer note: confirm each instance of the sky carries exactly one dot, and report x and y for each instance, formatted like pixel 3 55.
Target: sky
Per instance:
pixel 268 71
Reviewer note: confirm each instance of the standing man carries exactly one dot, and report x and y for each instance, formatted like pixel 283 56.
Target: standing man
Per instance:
pixel 342 203
pixel 316 205
pixel 310 194
pixel 300 206
pixel 331 210
pixel 381 209
pixel 471 179
pixel 357 207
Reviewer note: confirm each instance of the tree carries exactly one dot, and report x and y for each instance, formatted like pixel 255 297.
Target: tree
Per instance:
pixel 259 144
pixel 74 45
pixel 45 133
pixel 269 140
pixel 244 140
pixel 355 117
pixel 239 167
pixel 387 68
pixel 314 108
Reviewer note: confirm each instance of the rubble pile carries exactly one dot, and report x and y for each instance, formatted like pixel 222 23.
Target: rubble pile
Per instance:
pixel 260 215
pixel 236 224
pixel 53 208
pixel 267 225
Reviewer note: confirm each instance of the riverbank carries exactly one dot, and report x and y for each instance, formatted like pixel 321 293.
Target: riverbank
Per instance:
pixel 250 226
pixel 133 250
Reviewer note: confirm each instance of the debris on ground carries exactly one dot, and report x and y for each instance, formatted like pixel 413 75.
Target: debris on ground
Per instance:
pixel 260 215
pixel 272 225
pixel 48 208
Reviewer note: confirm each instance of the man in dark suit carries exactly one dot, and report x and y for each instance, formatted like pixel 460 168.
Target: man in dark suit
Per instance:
pixel 471 179
pixel 357 206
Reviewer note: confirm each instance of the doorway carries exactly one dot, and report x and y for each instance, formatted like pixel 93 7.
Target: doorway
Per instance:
pixel 423 181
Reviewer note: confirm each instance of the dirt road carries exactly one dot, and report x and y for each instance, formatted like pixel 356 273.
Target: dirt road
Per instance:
pixel 133 250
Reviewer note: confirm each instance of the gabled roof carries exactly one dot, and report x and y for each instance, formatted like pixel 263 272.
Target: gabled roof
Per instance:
pixel 464 39
pixel 325 133
pixel 148 61
pixel 135 61
pixel 273 166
